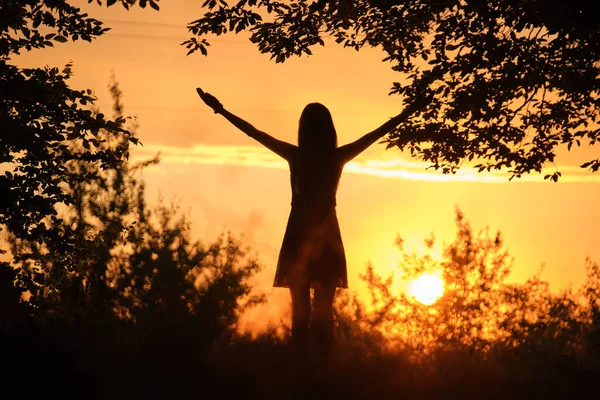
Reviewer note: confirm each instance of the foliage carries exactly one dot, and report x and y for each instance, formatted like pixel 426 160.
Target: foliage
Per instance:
pixel 45 124
pixel 485 337
pixel 106 295
pixel 480 313
pixel 521 339
pixel 133 291
pixel 513 80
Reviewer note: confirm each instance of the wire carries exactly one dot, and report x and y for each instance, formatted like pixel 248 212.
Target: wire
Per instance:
pixel 142 23
pixel 153 37
pixel 169 38
pixel 160 37
pixel 147 23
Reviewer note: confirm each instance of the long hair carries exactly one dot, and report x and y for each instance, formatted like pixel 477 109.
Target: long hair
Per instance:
pixel 316 133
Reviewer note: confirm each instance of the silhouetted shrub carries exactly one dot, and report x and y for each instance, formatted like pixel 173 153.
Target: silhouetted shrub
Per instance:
pixel 511 334
pixel 132 291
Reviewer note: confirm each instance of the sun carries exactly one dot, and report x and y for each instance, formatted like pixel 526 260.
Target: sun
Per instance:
pixel 427 288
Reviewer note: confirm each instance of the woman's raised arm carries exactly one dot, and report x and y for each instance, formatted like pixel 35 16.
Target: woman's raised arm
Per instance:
pixel 278 147
pixel 351 150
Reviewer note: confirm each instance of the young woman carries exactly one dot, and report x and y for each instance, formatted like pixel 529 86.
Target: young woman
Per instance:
pixel 312 253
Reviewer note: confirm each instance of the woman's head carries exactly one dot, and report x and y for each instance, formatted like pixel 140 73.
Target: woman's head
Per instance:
pixel 316 132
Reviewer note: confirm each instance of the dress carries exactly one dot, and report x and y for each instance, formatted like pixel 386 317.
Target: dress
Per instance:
pixel 312 248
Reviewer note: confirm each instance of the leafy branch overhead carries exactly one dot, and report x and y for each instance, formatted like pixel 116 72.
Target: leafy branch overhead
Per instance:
pixel 513 80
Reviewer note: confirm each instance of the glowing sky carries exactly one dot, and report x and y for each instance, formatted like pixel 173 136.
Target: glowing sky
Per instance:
pixel 226 182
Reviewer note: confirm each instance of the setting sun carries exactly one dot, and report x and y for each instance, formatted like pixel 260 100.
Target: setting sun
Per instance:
pixel 427 288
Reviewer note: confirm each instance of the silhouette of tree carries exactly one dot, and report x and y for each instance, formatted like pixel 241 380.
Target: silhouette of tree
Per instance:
pixel 513 80
pixel 41 118
pixel 133 290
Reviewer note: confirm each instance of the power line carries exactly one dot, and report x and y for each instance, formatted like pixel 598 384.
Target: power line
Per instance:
pixel 161 24
pixel 153 37
pixel 142 23
pixel 164 37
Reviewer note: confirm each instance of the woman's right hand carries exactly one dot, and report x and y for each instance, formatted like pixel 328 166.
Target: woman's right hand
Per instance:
pixel 210 100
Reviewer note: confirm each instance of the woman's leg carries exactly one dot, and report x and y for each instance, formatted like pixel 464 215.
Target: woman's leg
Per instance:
pixel 322 324
pixel 300 294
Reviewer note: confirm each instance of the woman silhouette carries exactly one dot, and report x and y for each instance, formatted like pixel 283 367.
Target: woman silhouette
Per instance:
pixel 312 253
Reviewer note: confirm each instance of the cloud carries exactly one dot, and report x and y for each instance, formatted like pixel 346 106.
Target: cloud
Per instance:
pixel 255 156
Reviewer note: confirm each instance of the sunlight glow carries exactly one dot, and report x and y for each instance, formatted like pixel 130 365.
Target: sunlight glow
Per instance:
pixel 427 288
pixel 256 156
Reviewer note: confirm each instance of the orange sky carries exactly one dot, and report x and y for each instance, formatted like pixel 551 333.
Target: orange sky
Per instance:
pixel 226 182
